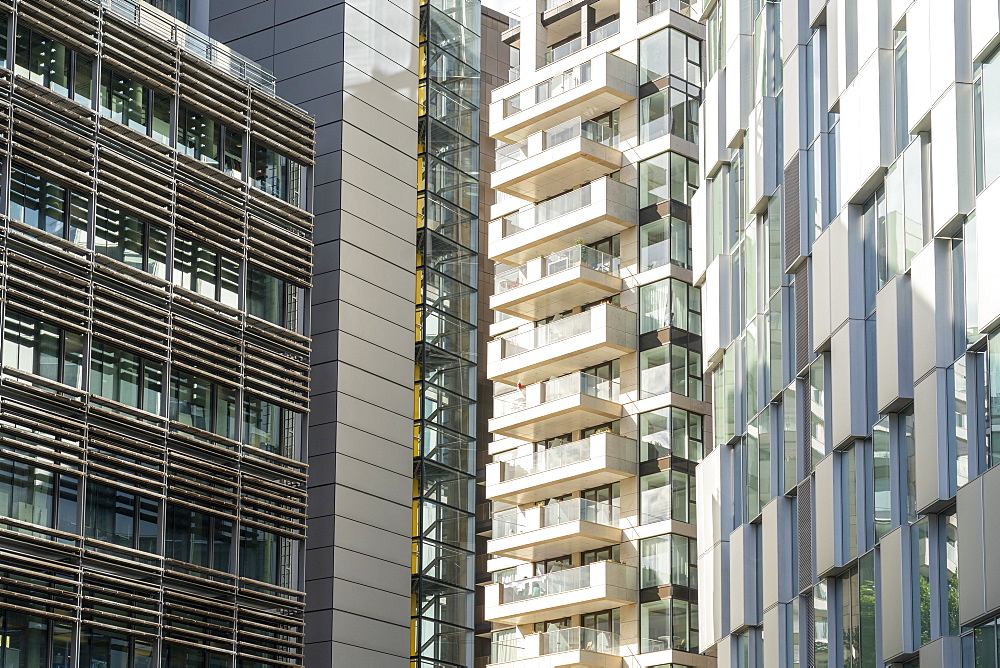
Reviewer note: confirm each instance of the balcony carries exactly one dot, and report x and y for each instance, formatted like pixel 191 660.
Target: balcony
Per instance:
pixel 596 211
pixel 574 591
pixel 553 161
pixel 601 334
pixel 555 283
pixel 590 89
pixel 578 647
pixel 648 9
pixel 544 532
pixel 598 460
pixel 556 406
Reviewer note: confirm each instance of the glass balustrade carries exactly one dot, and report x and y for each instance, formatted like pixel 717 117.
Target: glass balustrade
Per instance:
pixel 648 9
pixel 514 521
pixel 605 31
pixel 516 343
pixel 543 212
pixel 560 83
pixel 549 584
pixel 546 460
pixel 569 258
pixel 578 639
pixel 558 388
pixel 562 133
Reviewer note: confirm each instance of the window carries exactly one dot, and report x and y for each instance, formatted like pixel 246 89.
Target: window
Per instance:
pixel 668 176
pixel 183 656
pixel 920 554
pixel 668 560
pixel 273 299
pixel 882 474
pixel 269 426
pixel 123 237
pixel 668 624
pixel 665 241
pixel 899 90
pixel 267 557
pixel 669 303
pixel 986 100
pixel 789 441
pixel 206 271
pixel 857 607
pixel 121 517
pixel 667 495
pixel 993 401
pixel 817 403
pixel 48 206
pixel 124 100
pixel 33 346
pixel 43 60
pixel 716 39
pixel 275 174
pixel 758 464
pixel 176 8
pixel 199 136
pixel 28 636
pixel 670 368
pixel 198 538
pixel 671 432
pixel 670 52
pixel 670 111
pixel 37 495
pixel 199 403
pixel 100 647
pixel 125 377
pixel 821 626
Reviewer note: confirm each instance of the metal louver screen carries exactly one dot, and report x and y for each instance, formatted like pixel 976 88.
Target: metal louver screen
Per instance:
pixel 802 339
pixel 805 533
pixel 792 215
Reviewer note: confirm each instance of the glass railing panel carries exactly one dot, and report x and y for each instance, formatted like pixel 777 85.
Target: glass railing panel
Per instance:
pixel 510 279
pixel 579 383
pixel 559 52
pixel 579 510
pixel 508 155
pixel 558 330
pixel 546 460
pixel 507 523
pixel 545 211
pixel 549 584
pixel 581 256
pixel 604 31
pixel 647 9
pixel 579 639
pixel 508 403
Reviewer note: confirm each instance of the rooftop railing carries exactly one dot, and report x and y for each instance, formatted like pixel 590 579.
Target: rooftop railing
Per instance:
pixel 197 44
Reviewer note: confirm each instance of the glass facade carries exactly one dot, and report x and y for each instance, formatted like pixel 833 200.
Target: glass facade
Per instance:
pixel 155 374
pixel 446 315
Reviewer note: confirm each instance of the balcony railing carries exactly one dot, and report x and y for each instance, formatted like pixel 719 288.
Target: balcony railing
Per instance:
pixel 514 521
pixel 560 134
pixel 558 388
pixel 577 639
pixel 546 460
pixel 550 88
pixel 558 330
pixel 648 9
pixel 193 42
pixel 543 212
pixel 605 31
pixel 575 256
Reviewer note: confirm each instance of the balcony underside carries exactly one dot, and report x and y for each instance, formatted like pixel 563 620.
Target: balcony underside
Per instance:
pixel 563 357
pixel 556 293
pixel 588 225
pixel 587 100
pixel 557 169
pixel 553 418
pixel 555 541
pixel 577 602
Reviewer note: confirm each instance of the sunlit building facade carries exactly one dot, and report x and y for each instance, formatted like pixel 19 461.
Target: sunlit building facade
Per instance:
pixel 842 243
pixel 600 410
pixel 155 280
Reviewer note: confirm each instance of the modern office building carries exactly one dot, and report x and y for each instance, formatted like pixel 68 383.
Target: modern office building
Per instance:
pixel 154 284
pixel 599 406
pixel 843 236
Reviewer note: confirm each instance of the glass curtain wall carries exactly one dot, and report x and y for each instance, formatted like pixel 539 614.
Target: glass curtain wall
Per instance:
pixel 446 312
